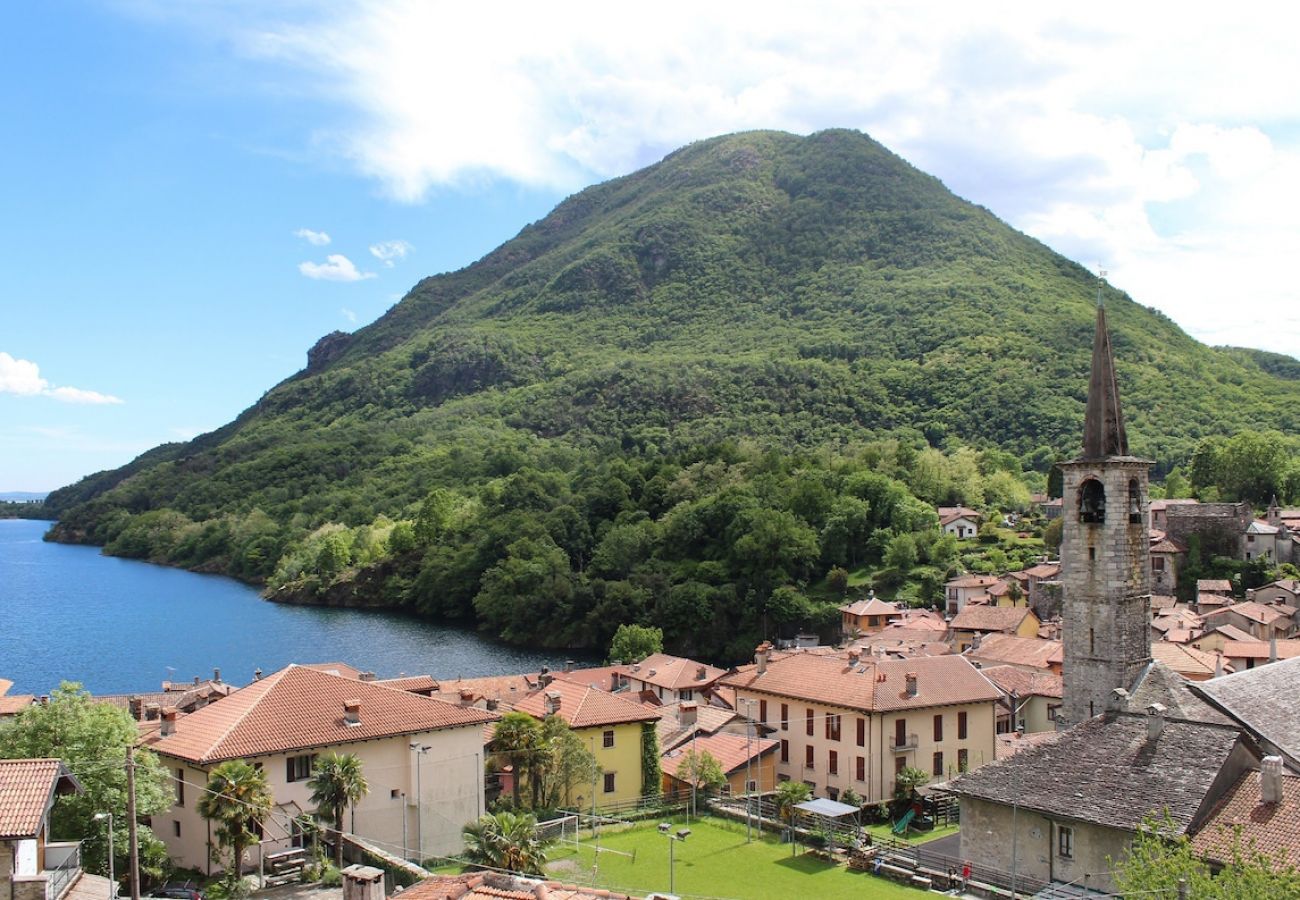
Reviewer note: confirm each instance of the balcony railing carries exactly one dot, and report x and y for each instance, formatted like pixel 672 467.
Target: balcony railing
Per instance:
pixel 907 742
pixel 62 866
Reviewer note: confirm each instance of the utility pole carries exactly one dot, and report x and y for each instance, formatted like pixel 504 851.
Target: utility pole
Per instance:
pixel 132 827
pixel 749 778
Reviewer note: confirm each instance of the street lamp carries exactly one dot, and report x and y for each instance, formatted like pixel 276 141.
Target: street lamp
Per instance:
pixel 749 779
pixel 420 750
pixel 681 834
pixel 112 883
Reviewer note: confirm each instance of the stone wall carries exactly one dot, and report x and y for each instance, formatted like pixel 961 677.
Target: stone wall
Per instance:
pixel 1217 527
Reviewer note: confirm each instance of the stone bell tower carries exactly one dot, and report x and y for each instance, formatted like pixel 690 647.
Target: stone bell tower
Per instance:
pixel 1105 551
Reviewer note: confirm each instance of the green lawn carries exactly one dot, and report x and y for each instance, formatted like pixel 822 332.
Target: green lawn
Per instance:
pixel 715 861
pixel 914 837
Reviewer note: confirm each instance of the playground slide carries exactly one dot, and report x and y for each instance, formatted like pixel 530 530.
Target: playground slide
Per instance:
pixel 901 825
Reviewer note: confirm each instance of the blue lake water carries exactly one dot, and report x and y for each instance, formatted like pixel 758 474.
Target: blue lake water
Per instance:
pixel 117 625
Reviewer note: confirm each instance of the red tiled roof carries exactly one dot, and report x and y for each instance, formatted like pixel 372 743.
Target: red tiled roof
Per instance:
pixel 1255 612
pixel 873 685
pixel 506 688
pixel 920 620
pixel 1186 661
pixel 1168 545
pixel 1014 650
pixel 583 706
pixel 1213 585
pixel 12 705
pixel 673 672
pixel 1163 602
pixel 1253 649
pixel 342 669
pixel 299 708
pixel 602 677
pixel 1233 633
pixel 27 788
pixel 416 684
pixel 990 618
pixel 972 581
pixel 1241 820
pixel 871 606
pixel 730 750
pixel 1044 570
pixel 1024 683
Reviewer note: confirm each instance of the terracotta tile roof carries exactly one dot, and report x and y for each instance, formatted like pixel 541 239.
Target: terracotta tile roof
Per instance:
pixel 1009 745
pixel 730 750
pixel 917 619
pixel 505 688
pixel 871 606
pixel 299 708
pixel 1255 612
pixel 1213 585
pixel 674 672
pixel 607 678
pixel 583 706
pixel 13 704
pixel 416 684
pixel 1011 649
pixel 1273 828
pixel 1188 661
pixel 341 669
pixel 873 685
pixel 1168 545
pixel 1216 601
pixel 1107 771
pixel 1253 649
pixel 1025 684
pixel 1044 570
pixel 500 886
pixel 1263 700
pixel 901 642
pixel 708 720
pixel 990 618
pixel 5 685
pixel 1233 633
pixel 972 581
pixel 1162 602
pixel 27 789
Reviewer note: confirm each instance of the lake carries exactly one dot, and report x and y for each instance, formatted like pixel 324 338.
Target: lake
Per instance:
pixel 119 625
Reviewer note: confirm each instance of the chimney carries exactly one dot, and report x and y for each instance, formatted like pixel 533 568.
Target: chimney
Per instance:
pixel 466 696
pixel 1270 780
pixel 686 713
pixel 363 883
pixel 854 655
pixel 216 675
pixel 136 706
pixel 568 665
pixel 492 703
pixel 1118 699
pixel 196 679
pixel 352 712
pixel 257 674
pixel 701 672
pixel 544 677
pixel 761 654
pixel 168 727
pixel 366 676
pixel 1272 647
pixel 552 702
pixel 150 712
pixel 911 684
pixel 1155 720
pixel 1218 664
pixel 976 641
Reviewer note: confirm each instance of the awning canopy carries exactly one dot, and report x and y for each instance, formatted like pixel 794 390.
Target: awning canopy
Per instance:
pixel 831 809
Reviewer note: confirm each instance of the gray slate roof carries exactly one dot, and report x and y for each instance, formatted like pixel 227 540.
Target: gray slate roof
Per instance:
pixel 1263 700
pixel 1108 772
pixel 1161 684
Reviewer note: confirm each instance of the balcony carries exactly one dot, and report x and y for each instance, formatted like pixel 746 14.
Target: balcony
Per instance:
pixel 898 743
pixel 62 866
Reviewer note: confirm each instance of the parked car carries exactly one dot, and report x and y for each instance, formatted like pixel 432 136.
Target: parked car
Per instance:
pixel 179 890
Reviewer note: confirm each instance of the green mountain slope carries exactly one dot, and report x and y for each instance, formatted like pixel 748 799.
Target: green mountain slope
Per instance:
pixel 794 292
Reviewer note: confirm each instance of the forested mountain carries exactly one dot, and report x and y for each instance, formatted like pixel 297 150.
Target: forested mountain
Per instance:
pixel 752 293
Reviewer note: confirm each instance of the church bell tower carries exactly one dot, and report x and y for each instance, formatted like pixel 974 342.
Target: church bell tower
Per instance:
pixel 1105 551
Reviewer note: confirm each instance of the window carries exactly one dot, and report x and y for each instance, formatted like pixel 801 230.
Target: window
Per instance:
pixel 762 711
pixel 900 732
pixel 785 750
pixel 298 768
pixel 862 732
pixel 1158 563
pixel 607 738
pixel 751 786
pixel 785 716
pixel 609 782
pixel 860 767
pixel 1064 842
pixel 899 764
pixel 1134 502
pixel 176 828
pixel 687 695
pixel 833 727
pixel 938 728
pixel 1092 502
pixel 180 787
pixel 808 757
pixel 808 722
pixel 833 763
pixel 963 759
pixel 961 726
pixel 938 765
pixel 1053 711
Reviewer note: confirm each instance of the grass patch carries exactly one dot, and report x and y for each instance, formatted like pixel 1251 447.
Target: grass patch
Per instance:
pixel 715 861
pixel 913 837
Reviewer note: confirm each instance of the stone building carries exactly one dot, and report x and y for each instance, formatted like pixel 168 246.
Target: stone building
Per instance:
pixel 1105 551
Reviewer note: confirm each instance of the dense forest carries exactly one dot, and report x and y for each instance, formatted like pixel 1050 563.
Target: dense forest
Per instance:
pixel 683 398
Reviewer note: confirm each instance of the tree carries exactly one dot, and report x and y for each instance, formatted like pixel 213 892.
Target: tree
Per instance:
pixel 701 770
pixel 92 740
pixel 837 580
pixel 337 783
pixel 506 840
pixel 790 794
pixel 236 798
pixel 651 772
pixel 1052 535
pixel 633 643
pixel 566 765
pixel 518 737
pixel 1161 856
pixel 908 780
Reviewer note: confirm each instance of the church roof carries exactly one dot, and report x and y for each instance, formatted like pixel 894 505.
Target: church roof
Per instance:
pixel 1103 424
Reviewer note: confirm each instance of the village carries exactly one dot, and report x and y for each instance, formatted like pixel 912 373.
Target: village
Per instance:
pixel 1015 742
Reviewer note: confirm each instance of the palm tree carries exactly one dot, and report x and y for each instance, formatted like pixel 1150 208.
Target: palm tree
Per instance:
pixel 337 783
pixel 518 737
pixel 506 840
pixel 790 794
pixel 237 799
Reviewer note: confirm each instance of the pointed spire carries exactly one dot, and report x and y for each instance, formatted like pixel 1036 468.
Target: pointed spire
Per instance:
pixel 1103 425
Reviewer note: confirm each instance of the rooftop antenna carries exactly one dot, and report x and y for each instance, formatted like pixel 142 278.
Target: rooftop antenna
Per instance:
pixel 1101 277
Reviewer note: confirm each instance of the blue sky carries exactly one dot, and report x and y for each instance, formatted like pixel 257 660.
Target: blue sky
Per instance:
pixel 168 166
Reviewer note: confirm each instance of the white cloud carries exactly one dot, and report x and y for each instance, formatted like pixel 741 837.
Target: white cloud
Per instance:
pixel 22 377
pixel 1157 145
pixel 315 238
pixel 388 252
pixel 349 315
pixel 336 267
